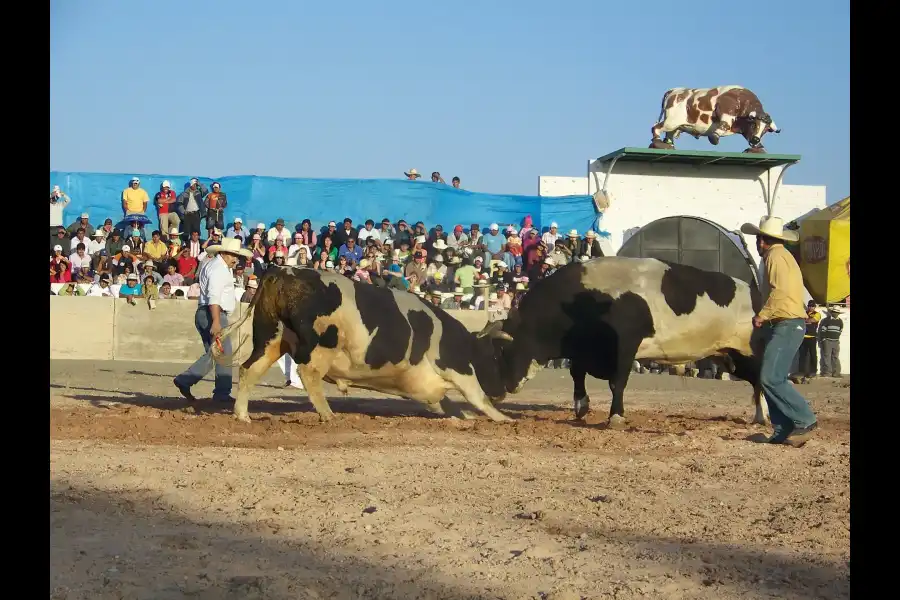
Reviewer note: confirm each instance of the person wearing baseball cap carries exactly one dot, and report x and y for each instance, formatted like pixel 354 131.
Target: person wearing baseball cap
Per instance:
pixel 216 302
pixel 165 201
pixel 237 231
pixel 134 198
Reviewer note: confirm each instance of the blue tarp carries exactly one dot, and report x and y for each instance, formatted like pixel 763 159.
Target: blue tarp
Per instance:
pixel 264 199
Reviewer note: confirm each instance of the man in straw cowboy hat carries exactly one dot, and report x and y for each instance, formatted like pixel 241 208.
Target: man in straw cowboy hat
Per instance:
pixel 216 302
pixel 783 321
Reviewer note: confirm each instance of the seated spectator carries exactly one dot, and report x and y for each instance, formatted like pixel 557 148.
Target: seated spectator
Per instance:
pixel 560 253
pixel 279 232
pixel 102 287
pixel 174 244
pixel 293 251
pixel 368 232
pixel 148 271
pixel 173 277
pixel 195 245
pixel 70 289
pixel 59 239
pixel 464 277
pixel 215 237
pixel 78 258
pixel 458 240
pixel 436 266
pixel 124 259
pixel 387 231
pixel 237 231
pixel 179 295
pixel 361 273
pixel 60 268
pixel 150 291
pixel 277 249
pixel 83 275
pixel 329 248
pixel 241 277
pixel 136 243
pixel 107 228
pixel 351 251
pixel 165 291
pixel 114 243
pixel 187 266
pixel 156 249
pixel 80 238
pixel 259 251
pixel 135 228
pixel 252 285
pixel 551 236
pixel 279 259
pixel 193 291
pixel 96 245
pixel 131 288
pixel 307 234
pixel 122 277
pixel 347 232
pixel 343 267
pixel 501 276
pixel 403 253
pixel 81 223
pixel 417 266
pixel 403 233
pixel 301 259
pixel 320 263
pixel 453 302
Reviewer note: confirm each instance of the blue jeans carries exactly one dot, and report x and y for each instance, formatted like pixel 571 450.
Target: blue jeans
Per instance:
pixel 787 408
pixel 205 364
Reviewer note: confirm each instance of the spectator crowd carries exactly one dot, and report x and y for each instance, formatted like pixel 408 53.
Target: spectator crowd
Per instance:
pixel 131 259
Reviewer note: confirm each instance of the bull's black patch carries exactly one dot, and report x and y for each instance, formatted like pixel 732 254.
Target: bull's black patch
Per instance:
pixel 383 318
pixel 422 329
pixel 455 345
pixel 329 337
pixel 682 285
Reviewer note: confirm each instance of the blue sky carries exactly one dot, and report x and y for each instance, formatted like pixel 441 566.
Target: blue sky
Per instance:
pixel 496 92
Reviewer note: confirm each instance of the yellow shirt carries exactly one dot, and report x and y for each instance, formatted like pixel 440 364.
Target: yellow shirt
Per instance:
pixel 786 293
pixel 155 250
pixel 135 199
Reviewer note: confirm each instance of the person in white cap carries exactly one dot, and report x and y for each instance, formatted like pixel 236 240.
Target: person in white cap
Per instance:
pixel 191 206
pixel 134 198
pixel 237 230
pixel 782 320
pixel 58 202
pixel 551 236
pixel 166 202
pixel 217 300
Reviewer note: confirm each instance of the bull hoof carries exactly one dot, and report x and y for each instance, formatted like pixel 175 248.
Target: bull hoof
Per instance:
pixel 755 150
pixel 244 418
pixel 616 422
pixel 661 145
pixel 713 139
pixel 582 407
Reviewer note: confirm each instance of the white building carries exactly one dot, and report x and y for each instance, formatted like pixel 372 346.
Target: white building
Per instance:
pixel 727 188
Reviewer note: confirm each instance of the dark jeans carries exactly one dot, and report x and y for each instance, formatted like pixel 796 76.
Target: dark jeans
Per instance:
pixel 215 219
pixel 808 358
pixel 190 223
pixel 787 408
pixel 205 364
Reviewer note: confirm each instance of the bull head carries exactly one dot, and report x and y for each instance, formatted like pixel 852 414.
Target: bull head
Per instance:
pixel 759 124
pixel 494 330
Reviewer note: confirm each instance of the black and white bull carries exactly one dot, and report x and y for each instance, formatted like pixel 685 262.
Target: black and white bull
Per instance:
pixel 357 335
pixel 605 313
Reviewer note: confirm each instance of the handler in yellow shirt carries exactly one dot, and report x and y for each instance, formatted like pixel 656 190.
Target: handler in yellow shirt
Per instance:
pixel 134 198
pixel 783 320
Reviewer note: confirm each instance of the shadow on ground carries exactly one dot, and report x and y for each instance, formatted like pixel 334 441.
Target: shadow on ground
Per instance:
pixel 131 545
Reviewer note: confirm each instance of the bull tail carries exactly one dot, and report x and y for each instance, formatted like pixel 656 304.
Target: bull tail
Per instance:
pixel 662 105
pixel 218 352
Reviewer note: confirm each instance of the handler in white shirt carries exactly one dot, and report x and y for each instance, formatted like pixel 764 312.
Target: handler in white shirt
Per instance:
pixel 216 302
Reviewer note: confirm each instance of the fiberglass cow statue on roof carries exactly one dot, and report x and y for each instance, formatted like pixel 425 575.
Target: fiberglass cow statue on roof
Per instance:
pixel 605 313
pixel 712 112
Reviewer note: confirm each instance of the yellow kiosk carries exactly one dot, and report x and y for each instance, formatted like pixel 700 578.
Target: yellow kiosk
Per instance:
pixel 825 253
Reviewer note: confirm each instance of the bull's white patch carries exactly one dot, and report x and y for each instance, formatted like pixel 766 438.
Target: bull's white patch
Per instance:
pixel 533 370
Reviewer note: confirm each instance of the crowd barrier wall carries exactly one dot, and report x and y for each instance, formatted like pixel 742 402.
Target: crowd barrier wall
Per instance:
pixel 89 328
pixel 264 199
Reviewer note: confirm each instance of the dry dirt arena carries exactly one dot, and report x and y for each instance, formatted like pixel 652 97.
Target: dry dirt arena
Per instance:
pixel 153 499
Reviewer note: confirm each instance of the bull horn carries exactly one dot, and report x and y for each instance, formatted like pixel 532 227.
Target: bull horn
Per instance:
pixel 502 335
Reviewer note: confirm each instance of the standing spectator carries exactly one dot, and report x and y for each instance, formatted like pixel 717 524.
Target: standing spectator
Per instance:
pixel 412 174
pixel 191 206
pixel 808 358
pixel 134 198
pixel 61 238
pixel 237 231
pixel 783 316
pixel 455 182
pixel 166 201
pixel 216 201
pixel 215 304
pixel 58 203
pixel 82 223
pixel 831 328
pixel 436 177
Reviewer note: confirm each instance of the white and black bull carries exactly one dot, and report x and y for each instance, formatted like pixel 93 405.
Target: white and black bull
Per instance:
pixel 714 113
pixel 605 313
pixel 353 334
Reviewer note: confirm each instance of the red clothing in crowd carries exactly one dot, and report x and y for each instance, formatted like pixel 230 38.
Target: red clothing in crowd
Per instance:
pixel 186 265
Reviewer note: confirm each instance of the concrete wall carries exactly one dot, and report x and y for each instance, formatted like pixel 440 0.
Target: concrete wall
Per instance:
pixel 83 328
pixel 644 192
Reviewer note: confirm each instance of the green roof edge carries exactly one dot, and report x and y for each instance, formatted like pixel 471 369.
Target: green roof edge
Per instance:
pixel 659 154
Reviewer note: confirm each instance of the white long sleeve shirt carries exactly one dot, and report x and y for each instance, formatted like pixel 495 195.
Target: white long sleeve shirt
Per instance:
pixel 216 284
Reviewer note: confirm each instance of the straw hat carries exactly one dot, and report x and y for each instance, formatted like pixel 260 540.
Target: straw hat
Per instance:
pixel 573 233
pixel 771 227
pixel 231 246
pixel 412 172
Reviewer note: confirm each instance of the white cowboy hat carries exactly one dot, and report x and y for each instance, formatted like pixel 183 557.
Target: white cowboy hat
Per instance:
pixel 412 172
pixel 440 245
pixel 573 233
pixel 590 234
pixel 771 227
pixel 174 231
pixel 231 246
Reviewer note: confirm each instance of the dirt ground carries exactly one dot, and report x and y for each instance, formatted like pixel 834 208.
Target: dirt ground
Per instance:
pixel 152 499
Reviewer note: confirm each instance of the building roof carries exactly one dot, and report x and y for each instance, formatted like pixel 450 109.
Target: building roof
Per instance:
pixel 700 157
